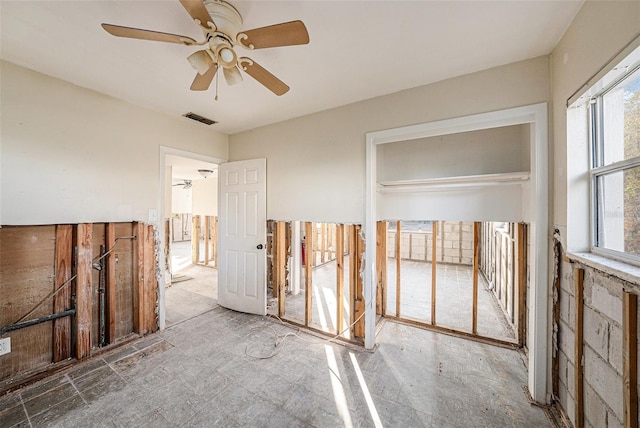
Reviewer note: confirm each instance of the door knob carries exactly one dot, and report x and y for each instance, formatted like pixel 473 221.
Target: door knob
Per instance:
pixel 259 247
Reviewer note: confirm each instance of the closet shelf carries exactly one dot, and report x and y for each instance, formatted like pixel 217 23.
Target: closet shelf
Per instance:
pixel 465 182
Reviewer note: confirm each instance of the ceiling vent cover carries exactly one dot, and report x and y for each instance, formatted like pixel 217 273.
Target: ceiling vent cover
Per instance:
pixel 199 118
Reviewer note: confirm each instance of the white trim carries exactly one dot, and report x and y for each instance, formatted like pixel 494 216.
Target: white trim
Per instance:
pixel 536 115
pixel 164 152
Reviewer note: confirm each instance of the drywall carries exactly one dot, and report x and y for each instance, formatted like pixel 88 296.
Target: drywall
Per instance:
pixel 205 196
pixel 599 31
pixel 487 151
pixel 73 155
pixel 181 200
pixel 316 163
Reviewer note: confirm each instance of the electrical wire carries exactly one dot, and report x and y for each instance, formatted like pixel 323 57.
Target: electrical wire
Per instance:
pixel 67 282
pixel 279 346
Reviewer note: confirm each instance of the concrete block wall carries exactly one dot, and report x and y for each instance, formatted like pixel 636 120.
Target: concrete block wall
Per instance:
pixel 602 346
pixel 454 243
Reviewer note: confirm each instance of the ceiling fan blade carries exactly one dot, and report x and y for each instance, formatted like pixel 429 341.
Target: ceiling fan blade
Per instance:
pixel 232 75
pixel 285 34
pixel 136 33
pixel 259 73
pixel 196 9
pixel 203 81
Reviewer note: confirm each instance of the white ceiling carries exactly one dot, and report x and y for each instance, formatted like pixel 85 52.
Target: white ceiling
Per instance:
pixel 358 50
pixel 187 169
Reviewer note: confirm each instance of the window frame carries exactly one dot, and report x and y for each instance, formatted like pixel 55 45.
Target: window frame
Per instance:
pixel 598 169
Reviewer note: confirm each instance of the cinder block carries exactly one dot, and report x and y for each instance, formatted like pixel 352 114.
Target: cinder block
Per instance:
pixel 563 362
pixel 467 253
pixel 450 252
pixel 567 341
pixel 567 403
pixel 447 244
pixel 613 421
pixel 604 294
pixel 596 332
pixel 565 308
pixel 417 239
pixel 604 380
pixel 467 245
pixel 595 411
pixel 615 347
pixel 455 244
pixel 466 261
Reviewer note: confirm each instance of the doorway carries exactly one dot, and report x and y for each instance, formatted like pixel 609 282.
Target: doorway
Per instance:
pixel 190 237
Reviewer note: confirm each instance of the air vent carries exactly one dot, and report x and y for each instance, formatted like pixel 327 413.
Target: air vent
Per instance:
pixel 199 118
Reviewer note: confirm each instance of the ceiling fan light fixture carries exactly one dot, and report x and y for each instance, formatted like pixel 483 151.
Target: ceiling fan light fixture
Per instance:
pixel 201 61
pixel 226 56
pixel 205 173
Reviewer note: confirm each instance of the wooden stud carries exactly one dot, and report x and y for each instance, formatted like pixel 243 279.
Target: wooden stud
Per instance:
pixel 579 331
pixel 630 358
pixel 195 239
pixel 476 248
pixel 62 300
pixel 398 255
pixel 84 235
pixel 434 267
pixel 138 278
pixel 110 292
pixel 340 276
pixel 280 264
pixel 358 297
pixel 275 266
pixel 214 238
pixel 381 267
pixel 207 228
pixel 308 274
pixel 522 284
pixel 150 281
pixel 323 242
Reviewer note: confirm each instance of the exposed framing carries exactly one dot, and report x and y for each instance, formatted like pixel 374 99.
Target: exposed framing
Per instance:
pixel 579 334
pixel 630 358
pixel 536 116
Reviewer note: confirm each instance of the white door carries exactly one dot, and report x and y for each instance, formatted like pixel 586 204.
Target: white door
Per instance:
pixel 242 230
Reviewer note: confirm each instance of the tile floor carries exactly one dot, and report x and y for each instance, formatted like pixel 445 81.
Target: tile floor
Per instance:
pixel 210 370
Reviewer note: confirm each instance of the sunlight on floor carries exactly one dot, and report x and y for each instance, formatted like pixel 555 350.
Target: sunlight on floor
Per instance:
pixel 367 396
pixel 336 384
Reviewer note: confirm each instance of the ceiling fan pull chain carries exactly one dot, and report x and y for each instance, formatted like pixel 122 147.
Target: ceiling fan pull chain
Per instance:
pixel 217 74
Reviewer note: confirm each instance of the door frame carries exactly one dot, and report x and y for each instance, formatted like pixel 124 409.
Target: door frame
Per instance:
pixel 538 324
pixel 162 263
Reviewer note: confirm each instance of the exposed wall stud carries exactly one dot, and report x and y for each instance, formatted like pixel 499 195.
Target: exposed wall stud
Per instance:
pixel 340 277
pixel 62 300
pixel 476 247
pixel 579 373
pixel 309 244
pixel 398 255
pixel 630 358
pixel 83 290
pixel 110 292
pixel 434 251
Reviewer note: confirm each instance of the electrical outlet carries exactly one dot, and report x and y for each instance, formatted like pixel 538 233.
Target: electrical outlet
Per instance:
pixel 5 346
pixel 153 215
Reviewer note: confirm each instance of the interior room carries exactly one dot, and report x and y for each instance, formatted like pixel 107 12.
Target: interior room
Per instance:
pixel 312 213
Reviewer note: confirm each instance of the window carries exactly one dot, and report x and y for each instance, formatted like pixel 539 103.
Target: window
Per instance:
pixel 615 167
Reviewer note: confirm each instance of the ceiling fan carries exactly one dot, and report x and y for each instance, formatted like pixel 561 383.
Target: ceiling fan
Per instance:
pixel 186 185
pixel 221 25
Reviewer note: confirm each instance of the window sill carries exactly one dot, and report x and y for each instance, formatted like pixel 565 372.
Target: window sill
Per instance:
pixel 624 271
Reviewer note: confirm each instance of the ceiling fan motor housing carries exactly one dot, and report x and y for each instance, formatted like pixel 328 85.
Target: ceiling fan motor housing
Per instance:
pixel 226 18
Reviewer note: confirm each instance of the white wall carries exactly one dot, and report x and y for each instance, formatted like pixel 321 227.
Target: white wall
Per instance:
pixel 73 155
pixel 316 163
pixel 487 151
pixel 599 31
pixel 181 200
pixel 205 196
